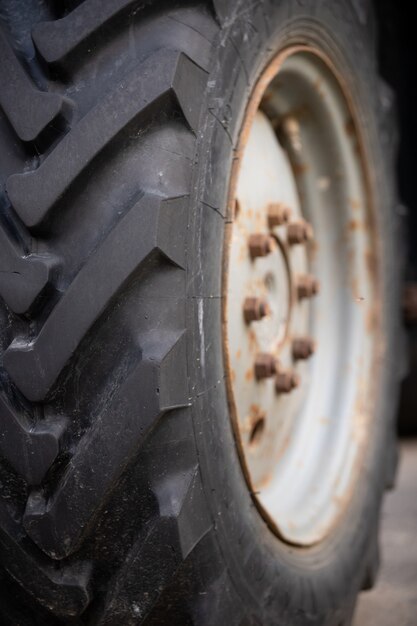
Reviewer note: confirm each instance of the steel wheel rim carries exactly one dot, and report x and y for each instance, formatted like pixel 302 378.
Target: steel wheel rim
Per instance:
pixel 300 451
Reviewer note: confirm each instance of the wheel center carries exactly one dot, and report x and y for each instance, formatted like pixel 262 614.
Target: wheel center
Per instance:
pixel 265 313
pixel 269 302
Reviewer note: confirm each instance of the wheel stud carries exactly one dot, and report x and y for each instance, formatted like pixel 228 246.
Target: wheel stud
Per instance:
pixel 259 245
pixel 254 309
pixel 299 232
pixel 286 381
pixel 265 366
pixel 278 214
pixel 303 348
pixel 307 286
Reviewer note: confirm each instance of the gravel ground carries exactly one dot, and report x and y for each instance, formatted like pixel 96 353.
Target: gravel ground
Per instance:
pixel 393 601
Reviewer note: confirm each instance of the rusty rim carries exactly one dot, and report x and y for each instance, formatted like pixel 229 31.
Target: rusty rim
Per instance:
pixel 301 308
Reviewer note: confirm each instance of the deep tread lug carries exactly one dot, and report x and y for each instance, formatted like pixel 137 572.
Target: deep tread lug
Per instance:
pixel 64 591
pixel 179 496
pixel 29 111
pixel 55 40
pixel 150 225
pixel 22 278
pixel 162 370
pixel 30 450
pixel 34 194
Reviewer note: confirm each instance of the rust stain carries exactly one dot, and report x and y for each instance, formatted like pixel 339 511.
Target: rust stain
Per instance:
pixel 354 225
pixel 371 263
pixel 247 424
pixel 313 249
pixel 249 374
pixel 324 421
pixel 318 86
pixel 372 319
pixel 243 254
pixel 253 342
pixel 262 484
pixel 350 128
pixel 283 447
pixel 300 168
pixel 355 204
pixel 323 183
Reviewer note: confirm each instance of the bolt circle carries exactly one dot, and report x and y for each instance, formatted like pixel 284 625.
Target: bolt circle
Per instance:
pixel 307 286
pixel 303 348
pixel 286 381
pixel 299 232
pixel 259 245
pixel 265 366
pixel 278 214
pixel 254 309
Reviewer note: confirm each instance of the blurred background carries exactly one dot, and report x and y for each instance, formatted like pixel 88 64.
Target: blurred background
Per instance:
pixel 393 601
pixel 398 64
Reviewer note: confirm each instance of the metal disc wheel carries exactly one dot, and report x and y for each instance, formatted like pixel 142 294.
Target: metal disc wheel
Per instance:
pixel 301 314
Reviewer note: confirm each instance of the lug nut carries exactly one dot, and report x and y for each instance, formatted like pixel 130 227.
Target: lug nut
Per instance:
pixel 307 286
pixel 254 309
pixel 265 366
pixel 259 245
pixel 286 381
pixel 278 214
pixel 299 232
pixel 303 348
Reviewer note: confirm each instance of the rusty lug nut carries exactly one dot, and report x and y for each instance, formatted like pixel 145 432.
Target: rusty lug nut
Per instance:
pixel 299 232
pixel 254 309
pixel 307 286
pixel 286 381
pixel 259 245
pixel 265 366
pixel 303 348
pixel 278 214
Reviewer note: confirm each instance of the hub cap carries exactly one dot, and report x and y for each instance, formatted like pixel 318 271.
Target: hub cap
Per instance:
pixel 300 317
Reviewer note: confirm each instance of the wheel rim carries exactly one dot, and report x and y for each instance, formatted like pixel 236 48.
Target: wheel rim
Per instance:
pixel 301 314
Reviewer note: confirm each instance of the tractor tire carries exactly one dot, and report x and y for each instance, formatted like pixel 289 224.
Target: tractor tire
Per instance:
pixel 123 500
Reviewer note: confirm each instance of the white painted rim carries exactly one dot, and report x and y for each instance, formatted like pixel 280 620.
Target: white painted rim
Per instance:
pixel 300 451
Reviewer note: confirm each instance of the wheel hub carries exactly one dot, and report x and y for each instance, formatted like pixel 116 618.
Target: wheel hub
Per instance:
pixel 269 293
